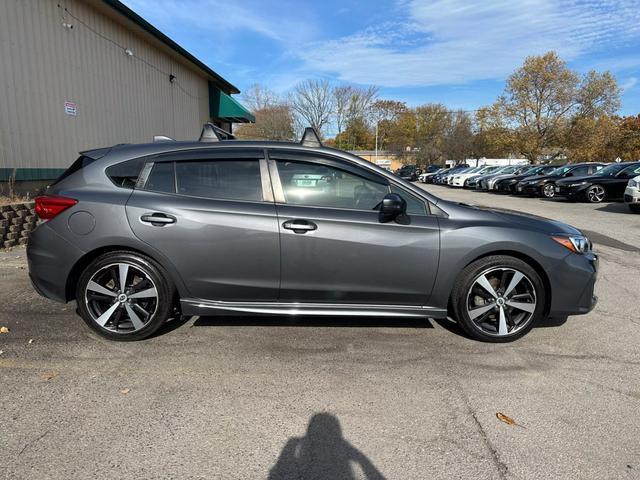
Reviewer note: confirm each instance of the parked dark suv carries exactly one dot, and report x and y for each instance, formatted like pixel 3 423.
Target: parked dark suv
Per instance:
pixel 135 233
pixel 409 172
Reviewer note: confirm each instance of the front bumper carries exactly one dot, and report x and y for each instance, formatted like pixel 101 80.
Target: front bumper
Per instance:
pixel 573 284
pixel 528 189
pixel 569 192
pixel 632 195
pixel 504 187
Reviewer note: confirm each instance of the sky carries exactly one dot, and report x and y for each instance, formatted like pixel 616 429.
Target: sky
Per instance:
pixel 455 52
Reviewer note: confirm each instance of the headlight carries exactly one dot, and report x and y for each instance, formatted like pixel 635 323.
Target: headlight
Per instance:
pixel 634 183
pixel 575 243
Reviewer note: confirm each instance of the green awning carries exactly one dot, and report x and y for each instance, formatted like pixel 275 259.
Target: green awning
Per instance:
pixel 226 108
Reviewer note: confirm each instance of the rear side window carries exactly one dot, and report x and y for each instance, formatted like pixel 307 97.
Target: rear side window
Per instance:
pixel 125 174
pixel 222 179
pixel 76 166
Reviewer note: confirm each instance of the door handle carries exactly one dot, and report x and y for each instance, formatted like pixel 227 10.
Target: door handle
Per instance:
pixel 157 219
pixel 299 226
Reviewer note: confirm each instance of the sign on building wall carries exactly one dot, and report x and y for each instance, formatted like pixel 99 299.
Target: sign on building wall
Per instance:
pixel 70 108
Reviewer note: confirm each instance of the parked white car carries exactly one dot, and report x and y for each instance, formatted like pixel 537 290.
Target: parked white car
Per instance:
pixel 459 179
pixel 632 194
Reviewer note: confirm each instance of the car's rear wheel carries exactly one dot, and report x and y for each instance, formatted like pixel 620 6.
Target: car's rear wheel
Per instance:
pixel 549 190
pixel 498 299
pixel 124 296
pixel 595 194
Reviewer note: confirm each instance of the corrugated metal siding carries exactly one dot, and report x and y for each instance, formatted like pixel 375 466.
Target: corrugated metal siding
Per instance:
pixel 119 98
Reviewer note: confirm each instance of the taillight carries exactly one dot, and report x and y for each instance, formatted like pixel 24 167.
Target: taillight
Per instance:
pixel 49 206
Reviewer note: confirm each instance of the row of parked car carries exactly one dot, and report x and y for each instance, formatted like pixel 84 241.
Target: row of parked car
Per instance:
pixel 593 182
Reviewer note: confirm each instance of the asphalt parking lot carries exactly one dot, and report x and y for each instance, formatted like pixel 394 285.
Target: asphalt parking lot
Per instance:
pixel 259 397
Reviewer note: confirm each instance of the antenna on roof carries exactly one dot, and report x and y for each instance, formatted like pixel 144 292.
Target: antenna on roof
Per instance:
pixel 162 138
pixel 212 133
pixel 310 138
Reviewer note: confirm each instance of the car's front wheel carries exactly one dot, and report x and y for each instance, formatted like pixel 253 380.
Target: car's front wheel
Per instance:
pixel 549 190
pixel 124 296
pixel 595 194
pixel 498 299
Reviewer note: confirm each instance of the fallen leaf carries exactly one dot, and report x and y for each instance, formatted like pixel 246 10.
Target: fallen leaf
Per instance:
pixel 30 341
pixel 508 420
pixel 1 352
pixel 49 375
pixel 124 391
pixel 4 330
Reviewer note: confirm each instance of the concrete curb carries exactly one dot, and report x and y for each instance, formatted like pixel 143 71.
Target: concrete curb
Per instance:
pixel 17 221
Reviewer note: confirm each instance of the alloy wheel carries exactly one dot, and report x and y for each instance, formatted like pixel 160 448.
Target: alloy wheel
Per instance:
pixel 501 301
pixel 121 297
pixel 549 190
pixel 596 194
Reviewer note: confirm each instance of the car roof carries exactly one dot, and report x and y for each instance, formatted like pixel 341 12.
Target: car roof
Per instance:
pixel 123 152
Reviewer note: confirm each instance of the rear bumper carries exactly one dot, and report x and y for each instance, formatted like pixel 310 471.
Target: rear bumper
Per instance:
pixel 50 258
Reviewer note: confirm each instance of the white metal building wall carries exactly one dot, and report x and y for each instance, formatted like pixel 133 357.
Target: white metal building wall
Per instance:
pixel 119 98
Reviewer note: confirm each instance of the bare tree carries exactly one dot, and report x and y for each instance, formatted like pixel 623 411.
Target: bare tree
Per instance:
pixel 272 123
pixel 257 97
pixel 312 101
pixel 342 99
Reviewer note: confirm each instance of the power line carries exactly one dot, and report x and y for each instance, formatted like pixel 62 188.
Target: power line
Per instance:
pixel 130 53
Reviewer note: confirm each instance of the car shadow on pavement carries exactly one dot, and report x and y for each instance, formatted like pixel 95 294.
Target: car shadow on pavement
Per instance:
pixel 451 325
pixel 615 207
pixel 309 321
pixel 323 453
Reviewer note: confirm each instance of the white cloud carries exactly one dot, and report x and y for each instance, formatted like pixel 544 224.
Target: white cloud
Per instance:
pixel 455 41
pixel 629 83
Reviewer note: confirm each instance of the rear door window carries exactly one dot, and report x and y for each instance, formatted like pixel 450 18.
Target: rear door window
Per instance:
pixel 233 179
pixel 161 178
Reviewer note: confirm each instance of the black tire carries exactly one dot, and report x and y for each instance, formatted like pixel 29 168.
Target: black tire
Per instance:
pixel 467 278
pixel 634 207
pixel 163 303
pixel 595 194
pixel 548 190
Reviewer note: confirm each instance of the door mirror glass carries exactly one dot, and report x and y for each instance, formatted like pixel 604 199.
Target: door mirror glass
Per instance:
pixel 391 207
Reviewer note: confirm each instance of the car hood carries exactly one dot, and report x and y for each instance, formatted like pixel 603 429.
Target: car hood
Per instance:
pixel 539 177
pixel 526 220
pixel 581 178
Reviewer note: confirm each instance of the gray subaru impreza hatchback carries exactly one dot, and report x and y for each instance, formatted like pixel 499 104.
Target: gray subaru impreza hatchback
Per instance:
pixel 136 233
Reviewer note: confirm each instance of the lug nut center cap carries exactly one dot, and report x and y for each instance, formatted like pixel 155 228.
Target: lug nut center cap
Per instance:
pixel 500 301
pixel 122 298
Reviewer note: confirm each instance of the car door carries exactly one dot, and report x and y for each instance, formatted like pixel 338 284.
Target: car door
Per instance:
pixel 333 247
pixel 211 213
pixel 618 184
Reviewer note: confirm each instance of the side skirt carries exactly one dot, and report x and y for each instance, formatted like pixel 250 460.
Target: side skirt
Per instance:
pixel 209 307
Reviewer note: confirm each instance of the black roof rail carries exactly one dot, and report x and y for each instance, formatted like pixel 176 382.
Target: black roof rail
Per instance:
pixel 310 138
pixel 212 133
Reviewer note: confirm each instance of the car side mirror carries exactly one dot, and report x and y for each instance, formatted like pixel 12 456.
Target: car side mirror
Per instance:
pixel 391 207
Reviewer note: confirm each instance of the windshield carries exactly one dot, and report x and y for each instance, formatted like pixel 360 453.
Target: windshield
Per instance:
pixel 560 170
pixel 509 169
pixel 611 170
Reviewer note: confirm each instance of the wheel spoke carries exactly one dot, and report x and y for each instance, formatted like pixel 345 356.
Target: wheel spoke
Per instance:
pixel 502 322
pixel 515 280
pixel 123 271
pixel 135 319
pixel 104 318
pixel 476 312
pixel 94 287
pixel 484 283
pixel 148 293
pixel 525 307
